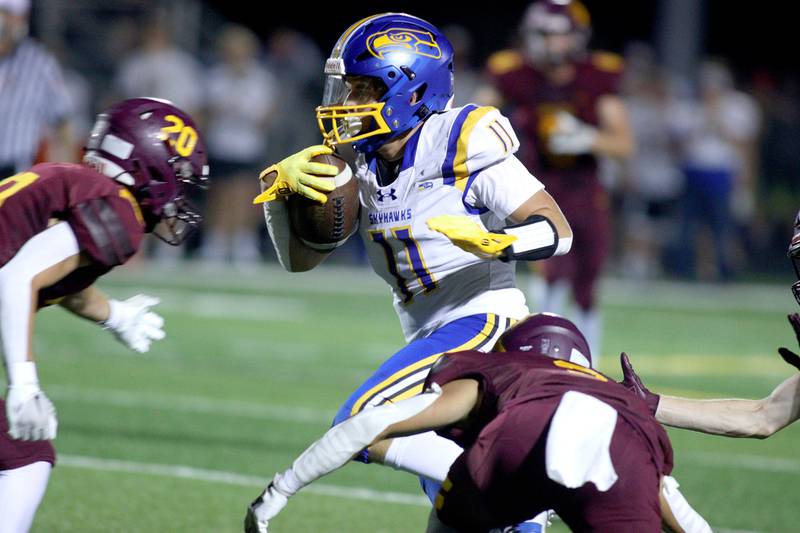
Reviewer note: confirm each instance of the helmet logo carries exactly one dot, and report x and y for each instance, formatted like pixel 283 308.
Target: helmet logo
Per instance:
pixel 421 43
pixel 186 139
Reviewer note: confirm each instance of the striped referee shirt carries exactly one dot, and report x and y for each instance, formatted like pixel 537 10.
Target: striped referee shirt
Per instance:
pixel 33 98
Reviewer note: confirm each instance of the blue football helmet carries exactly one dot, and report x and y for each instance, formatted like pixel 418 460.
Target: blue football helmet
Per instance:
pixel 403 55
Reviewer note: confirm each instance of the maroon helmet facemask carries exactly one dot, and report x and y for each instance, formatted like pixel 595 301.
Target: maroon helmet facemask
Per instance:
pixel 155 150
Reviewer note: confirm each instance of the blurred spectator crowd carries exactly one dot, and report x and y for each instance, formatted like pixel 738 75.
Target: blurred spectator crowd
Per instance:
pixel 710 193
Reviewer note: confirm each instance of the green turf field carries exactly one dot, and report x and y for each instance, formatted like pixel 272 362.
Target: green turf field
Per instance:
pixel 255 365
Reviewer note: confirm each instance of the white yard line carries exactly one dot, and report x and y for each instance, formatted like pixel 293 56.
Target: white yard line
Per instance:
pixel 233 478
pixel 242 480
pixel 190 404
pixel 337 280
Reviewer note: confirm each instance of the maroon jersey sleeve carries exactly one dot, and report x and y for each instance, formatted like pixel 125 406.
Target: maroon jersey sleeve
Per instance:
pixel 107 228
pixel 506 70
pixel 103 215
pixel 602 73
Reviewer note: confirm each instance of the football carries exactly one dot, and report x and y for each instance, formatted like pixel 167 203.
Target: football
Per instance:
pixel 324 227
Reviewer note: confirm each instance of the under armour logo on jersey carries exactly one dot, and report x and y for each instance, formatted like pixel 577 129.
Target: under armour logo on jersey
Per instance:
pixel 384 195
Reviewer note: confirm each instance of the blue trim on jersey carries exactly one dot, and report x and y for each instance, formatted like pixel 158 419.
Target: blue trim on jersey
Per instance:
pixel 411 150
pixel 449 337
pixel 412 248
pixel 448 173
pixel 471 209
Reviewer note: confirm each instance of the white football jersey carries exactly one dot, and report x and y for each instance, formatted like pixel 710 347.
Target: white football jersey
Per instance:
pixel 460 162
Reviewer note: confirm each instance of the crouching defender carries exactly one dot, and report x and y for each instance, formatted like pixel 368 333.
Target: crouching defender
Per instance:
pixel 64 225
pixel 541 430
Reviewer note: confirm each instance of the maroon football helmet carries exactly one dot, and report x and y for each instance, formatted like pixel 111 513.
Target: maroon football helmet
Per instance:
pixel 156 151
pixel 794 256
pixel 567 19
pixel 547 334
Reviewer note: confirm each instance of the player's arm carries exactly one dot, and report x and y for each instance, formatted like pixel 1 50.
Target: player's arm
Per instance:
pixel 735 417
pixel 537 228
pixel 430 410
pixel 614 136
pixel 42 261
pixel 729 417
pixel 131 321
pixel 294 175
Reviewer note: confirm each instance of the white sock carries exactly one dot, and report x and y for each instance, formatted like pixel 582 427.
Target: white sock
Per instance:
pixel 427 455
pixel 591 325
pixel 21 491
pixel 689 519
pixel 554 298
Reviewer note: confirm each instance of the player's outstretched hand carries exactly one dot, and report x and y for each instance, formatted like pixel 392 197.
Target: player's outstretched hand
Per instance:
pixel 788 355
pixel 134 324
pixel 30 414
pixel 263 509
pixel 297 174
pixel 468 235
pixel 633 383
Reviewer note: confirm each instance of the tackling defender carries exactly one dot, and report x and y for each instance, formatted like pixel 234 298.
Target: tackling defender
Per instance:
pixel 446 209
pixel 535 431
pixel 64 225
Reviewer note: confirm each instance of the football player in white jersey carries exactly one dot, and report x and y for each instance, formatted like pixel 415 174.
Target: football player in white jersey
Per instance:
pixel 446 209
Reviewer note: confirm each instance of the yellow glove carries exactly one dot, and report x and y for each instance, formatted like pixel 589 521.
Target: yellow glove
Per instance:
pixel 295 176
pixel 470 236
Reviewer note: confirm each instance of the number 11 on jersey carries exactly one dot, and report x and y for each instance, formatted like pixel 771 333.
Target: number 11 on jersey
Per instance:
pixel 413 256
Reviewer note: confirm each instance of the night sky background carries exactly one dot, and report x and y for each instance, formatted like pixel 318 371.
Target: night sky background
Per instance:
pixel 752 37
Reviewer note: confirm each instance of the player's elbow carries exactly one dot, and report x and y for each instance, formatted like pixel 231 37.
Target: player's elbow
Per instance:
pixel 764 423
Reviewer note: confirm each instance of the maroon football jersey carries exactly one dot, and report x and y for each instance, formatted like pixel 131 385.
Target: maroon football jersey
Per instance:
pixel 19 453
pixel 508 379
pixel 534 102
pixel 104 216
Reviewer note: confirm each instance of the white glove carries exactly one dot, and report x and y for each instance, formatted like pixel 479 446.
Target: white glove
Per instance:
pixel 133 323
pixel 571 136
pixel 31 415
pixel 265 508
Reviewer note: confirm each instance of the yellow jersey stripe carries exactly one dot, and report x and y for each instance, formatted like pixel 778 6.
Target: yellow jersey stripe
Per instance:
pixel 491 319
pixel 460 163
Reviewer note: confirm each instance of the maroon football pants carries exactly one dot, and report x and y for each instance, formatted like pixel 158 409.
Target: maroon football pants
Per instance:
pixel 501 480
pixel 19 453
pixel 589 217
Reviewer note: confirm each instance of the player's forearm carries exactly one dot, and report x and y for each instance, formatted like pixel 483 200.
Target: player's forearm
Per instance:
pixel 43 260
pixel 340 443
pixel 732 418
pixel 292 254
pixel 89 303
pixel 614 144
pixel 17 307
pixel 614 136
